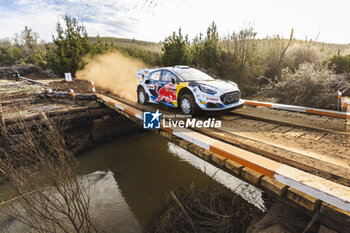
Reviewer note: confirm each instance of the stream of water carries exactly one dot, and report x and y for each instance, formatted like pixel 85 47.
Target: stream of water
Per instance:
pixel 132 176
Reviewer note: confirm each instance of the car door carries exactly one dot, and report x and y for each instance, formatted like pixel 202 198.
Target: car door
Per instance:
pixel 152 83
pixel 166 89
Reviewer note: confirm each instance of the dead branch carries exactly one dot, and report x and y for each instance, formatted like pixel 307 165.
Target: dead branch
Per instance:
pixel 285 50
pixel 188 218
pixel 40 169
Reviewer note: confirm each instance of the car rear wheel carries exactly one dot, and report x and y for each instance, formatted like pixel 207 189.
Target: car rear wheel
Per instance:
pixel 142 97
pixel 188 105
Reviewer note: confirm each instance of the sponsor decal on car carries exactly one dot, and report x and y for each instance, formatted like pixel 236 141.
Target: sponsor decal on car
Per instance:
pixel 167 92
pixel 151 87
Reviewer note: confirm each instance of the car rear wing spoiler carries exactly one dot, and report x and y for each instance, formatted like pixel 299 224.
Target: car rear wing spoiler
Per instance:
pixel 143 73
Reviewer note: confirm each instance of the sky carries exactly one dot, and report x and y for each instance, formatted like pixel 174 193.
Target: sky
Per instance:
pixel 153 20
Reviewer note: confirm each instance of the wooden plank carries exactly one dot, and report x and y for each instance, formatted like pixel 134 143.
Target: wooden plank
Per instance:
pixel 246 158
pixel 251 175
pixel 303 121
pixel 303 199
pixel 218 159
pixel 305 162
pixel 273 185
pixel 233 166
pixel 317 187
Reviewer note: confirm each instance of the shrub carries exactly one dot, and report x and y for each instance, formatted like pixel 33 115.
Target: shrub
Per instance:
pixel 299 54
pixel 9 55
pixel 340 64
pixel 306 86
pixel 40 171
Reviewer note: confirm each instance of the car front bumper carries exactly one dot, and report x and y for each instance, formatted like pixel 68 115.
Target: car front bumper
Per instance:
pixel 212 106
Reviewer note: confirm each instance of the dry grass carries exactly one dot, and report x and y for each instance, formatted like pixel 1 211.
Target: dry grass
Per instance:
pixel 306 86
pixel 49 196
pixel 193 210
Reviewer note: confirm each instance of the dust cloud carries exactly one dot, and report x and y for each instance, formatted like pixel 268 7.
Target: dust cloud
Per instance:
pixel 114 72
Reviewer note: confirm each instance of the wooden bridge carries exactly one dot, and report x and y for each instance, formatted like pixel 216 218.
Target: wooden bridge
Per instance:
pixel 315 179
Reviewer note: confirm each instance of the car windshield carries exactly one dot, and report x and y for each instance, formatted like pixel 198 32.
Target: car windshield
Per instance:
pixel 193 75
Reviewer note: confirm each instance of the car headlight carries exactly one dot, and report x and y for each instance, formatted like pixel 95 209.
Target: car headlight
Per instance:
pixel 207 89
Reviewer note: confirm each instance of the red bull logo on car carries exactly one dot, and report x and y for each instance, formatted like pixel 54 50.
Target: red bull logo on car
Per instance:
pixel 166 92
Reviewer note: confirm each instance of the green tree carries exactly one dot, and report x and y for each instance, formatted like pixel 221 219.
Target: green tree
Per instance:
pixel 32 51
pixel 211 50
pixel 176 50
pixel 28 41
pixel 100 46
pixel 9 55
pixel 70 46
pixel 197 48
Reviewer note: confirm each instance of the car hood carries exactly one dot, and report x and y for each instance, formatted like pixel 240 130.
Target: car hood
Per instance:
pixel 220 84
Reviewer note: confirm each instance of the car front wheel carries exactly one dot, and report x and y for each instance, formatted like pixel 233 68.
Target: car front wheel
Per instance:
pixel 188 105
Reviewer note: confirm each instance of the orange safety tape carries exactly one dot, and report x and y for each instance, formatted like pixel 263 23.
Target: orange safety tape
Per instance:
pixel 258 104
pixel 339 115
pixel 244 162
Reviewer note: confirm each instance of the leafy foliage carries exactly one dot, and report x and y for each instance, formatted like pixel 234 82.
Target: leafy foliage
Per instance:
pixel 176 50
pixel 9 55
pixel 340 64
pixel 207 52
pixel 148 57
pixel 71 45
pixel 306 86
pixel 26 49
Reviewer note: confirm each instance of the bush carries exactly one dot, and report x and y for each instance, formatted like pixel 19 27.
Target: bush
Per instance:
pixel 340 64
pixel 306 86
pixel 299 54
pixel 9 55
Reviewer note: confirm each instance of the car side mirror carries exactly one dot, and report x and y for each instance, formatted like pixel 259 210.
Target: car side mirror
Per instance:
pixel 173 81
pixel 147 81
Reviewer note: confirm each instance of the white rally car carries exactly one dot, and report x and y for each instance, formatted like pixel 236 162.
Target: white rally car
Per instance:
pixel 187 88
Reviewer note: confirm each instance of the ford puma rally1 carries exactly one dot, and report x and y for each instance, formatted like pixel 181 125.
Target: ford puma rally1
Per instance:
pixel 187 88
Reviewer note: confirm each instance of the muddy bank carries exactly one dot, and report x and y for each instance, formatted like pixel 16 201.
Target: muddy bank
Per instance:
pixel 189 209
pixel 83 121
pixel 29 71
pixel 79 86
pixel 282 218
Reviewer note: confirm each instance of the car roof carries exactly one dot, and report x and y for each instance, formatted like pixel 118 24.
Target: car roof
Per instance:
pixel 172 68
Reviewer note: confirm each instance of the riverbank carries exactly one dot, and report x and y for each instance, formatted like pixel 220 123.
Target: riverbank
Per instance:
pixel 189 209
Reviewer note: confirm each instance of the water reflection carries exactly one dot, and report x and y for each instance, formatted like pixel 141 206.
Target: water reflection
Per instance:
pixel 132 176
pixel 245 190
pixel 146 167
pixel 107 206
